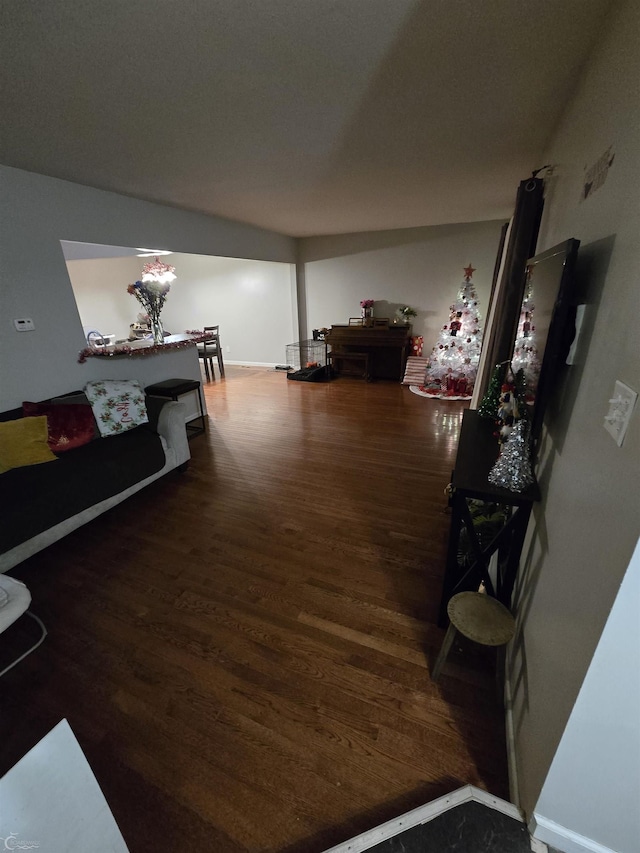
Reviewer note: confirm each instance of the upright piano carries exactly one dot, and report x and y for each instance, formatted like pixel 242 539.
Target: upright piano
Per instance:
pixel 387 347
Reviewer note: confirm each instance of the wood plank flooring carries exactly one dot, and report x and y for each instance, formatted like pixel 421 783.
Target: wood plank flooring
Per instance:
pixel 243 650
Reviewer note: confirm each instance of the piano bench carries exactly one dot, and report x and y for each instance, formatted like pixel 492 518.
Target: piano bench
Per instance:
pixel 344 362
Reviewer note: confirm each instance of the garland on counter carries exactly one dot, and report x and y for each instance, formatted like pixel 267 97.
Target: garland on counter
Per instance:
pixel 127 349
pixel 198 333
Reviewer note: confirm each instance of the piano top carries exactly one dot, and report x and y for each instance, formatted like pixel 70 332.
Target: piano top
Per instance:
pixel 369 335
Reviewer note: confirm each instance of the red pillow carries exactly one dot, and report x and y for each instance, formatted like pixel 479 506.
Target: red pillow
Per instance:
pixel 69 426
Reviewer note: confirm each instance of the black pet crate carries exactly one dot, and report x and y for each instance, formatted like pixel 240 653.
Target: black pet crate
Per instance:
pixel 306 353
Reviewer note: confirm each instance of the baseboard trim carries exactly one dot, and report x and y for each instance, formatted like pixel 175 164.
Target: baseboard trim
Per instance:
pixel 556 835
pixel 423 814
pixel 250 363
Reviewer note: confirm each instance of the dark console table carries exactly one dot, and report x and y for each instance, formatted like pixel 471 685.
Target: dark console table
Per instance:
pixel 386 348
pixel 477 451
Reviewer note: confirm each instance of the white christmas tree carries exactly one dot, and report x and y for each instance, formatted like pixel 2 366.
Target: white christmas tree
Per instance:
pixel 525 353
pixel 453 363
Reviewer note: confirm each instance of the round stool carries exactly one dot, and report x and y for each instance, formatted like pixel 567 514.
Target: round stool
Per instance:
pixel 480 618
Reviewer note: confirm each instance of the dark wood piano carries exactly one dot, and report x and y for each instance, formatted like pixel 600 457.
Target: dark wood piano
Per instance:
pixel 386 346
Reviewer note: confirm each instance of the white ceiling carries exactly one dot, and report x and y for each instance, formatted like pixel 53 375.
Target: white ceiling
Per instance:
pixel 301 116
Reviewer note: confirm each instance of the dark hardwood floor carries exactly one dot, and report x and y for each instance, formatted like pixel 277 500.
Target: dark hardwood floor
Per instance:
pixel 243 650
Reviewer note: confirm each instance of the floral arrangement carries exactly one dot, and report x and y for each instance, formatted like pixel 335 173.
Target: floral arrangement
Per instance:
pixel 367 303
pixel 407 312
pixel 151 292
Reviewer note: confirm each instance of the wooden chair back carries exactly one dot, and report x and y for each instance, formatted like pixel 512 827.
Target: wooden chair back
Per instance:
pixel 209 349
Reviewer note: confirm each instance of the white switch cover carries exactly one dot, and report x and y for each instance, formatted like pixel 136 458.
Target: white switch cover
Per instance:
pixel 24 325
pixel 620 407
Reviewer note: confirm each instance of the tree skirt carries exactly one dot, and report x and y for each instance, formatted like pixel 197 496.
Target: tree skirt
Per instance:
pixel 421 391
pixel 414 377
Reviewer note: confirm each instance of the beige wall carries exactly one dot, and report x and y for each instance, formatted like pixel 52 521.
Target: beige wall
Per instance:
pixel 37 212
pixel 589 520
pixel 252 301
pixel 593 785
pixel 100 290
pixel 421 267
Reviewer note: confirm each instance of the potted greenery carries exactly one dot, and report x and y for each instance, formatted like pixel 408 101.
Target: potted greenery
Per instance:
pixel 405 314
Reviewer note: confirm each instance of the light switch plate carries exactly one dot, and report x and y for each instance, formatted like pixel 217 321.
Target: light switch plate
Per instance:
pixel 620 407
pixel 24 325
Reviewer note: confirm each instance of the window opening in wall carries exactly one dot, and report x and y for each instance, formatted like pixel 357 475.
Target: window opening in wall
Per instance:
pixel 253 301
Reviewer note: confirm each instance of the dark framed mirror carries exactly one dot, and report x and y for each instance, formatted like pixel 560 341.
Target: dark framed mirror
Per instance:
pixel 546 326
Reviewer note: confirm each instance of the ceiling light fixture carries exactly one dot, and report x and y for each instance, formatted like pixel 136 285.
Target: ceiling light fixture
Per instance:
pixel 152 253
pixel 158 272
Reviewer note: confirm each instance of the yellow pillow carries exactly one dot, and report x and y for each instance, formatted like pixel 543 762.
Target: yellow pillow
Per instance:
pixel 24 442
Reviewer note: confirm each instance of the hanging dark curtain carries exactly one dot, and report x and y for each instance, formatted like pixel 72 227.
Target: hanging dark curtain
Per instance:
pixel 521 247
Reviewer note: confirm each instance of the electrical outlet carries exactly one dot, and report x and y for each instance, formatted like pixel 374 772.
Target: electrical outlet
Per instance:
pixel 621 405
pixel 228 349
pixel 24 325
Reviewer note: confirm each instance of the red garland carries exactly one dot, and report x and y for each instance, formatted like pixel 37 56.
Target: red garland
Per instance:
pixel 125 349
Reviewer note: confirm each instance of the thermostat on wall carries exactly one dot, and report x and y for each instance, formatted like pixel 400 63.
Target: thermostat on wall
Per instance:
pixel 24 325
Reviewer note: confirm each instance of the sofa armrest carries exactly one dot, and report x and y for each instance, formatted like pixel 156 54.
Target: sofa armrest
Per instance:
pixel 154 407
pixel 171 426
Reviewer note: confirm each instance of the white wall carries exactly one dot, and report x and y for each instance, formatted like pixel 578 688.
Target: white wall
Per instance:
pixel 593 785
pixel 587 525
pixel 36 212
pixel 421 267
pixel 100 290
pixel 252 301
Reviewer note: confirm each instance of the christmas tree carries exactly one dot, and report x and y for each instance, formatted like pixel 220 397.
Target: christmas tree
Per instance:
pixel 453 363
pixel 512 469
pixel 525 353
pixel 491 400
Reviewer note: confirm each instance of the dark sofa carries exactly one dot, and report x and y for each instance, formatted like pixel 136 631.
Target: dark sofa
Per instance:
pixel 40 504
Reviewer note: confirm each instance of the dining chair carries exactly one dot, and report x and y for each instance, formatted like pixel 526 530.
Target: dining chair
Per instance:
pixel 210 349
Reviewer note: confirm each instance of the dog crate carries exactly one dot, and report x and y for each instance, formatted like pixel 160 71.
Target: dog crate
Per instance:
pixel 306 354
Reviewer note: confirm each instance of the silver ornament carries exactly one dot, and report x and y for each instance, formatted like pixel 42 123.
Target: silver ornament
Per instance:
pixel 512 469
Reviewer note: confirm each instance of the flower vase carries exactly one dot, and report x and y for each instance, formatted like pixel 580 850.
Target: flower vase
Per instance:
pixel 157 331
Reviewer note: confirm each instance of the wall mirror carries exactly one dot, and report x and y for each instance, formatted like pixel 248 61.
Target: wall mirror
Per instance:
pixel 545 327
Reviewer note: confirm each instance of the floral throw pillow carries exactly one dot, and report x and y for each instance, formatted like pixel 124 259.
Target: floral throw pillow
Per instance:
pixel 118 405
